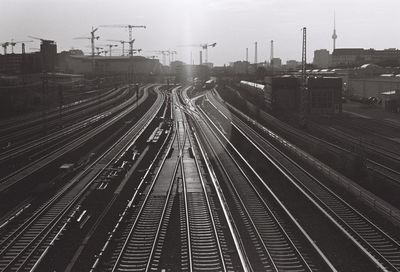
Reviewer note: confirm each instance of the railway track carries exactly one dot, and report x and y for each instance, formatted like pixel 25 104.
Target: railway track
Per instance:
pixel 268 245
pixel 12 158
pixel 387 171
pixel 20 129
pixel 204 246
pixel 22 247
pixel 373 241
pixel 177 180
pixel 369 146
pixel 23 172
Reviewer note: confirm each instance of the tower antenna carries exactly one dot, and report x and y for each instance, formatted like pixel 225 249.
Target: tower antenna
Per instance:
pixel 334 36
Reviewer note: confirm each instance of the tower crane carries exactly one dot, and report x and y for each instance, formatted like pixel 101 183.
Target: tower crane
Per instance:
pixel 122 43
pixel 164 54
pixel 110 46
pixel 42 40
pixel 130 27
pixel 172 53
pixel 92 38
pixel 5 45
pixel 204 46
pixel 13 43
pixel 98 48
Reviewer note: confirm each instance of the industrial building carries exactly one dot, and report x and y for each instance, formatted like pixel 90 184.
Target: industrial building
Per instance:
pixel 373 86
pixel 391 101
pixel 112 65
pixel 352 57
pixel 324 95
pixel 27 63
pixel 322 58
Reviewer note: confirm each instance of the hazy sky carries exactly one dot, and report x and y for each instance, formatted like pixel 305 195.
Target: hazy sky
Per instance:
pixel 233 24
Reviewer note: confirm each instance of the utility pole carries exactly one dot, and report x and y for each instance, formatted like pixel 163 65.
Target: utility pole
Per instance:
pixel 201 57
pixel 247 54
pixel 255 54
pixel 303 89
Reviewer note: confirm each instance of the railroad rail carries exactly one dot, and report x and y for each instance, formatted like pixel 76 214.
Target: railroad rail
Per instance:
pixel 177 175
pixel 204 246
pixel 60 134
pixel 23 246
pixel 389 173
pixel 274 246
pixel 23 172
pixel 376 244
pixel 22 127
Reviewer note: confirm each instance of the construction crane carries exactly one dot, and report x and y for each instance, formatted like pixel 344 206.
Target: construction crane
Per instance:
pixel 172 53
pixel 164 54
pixel 130 27
pixel 204 46
pixel 122 43
pixel 137 50
pixel 43 41
pixel 13 43
pixel 110 46
pixel 98 48
pixel 92 38
pixel 5 45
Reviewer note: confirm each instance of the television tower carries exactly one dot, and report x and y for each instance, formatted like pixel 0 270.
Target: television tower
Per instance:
pixel 334 36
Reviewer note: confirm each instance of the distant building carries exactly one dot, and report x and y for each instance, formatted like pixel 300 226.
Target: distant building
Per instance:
pixel 324 95
pixel 240 67
pixel 175 66
pixel 28 63
pixel 187 73
pixel 209 64
pixel 373 86
pixel 322 58
pixel 112 65
pixel 48 50
pixel 351 57
pixel 292 65
pixel 391 101
pixel 276 63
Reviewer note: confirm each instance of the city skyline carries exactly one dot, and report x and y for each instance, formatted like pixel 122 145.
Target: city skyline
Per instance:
pixel 233 24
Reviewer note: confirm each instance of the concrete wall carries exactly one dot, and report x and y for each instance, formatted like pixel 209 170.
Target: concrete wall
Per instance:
pixel 362 87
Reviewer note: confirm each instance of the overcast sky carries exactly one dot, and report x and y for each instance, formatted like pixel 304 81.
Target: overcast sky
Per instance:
pixel 232 24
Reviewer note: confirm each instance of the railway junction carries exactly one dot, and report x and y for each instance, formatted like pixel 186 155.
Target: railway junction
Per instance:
pixel 164 177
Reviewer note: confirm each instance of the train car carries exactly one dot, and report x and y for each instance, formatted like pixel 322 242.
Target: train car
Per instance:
pixel 255 91
pixel 209 84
